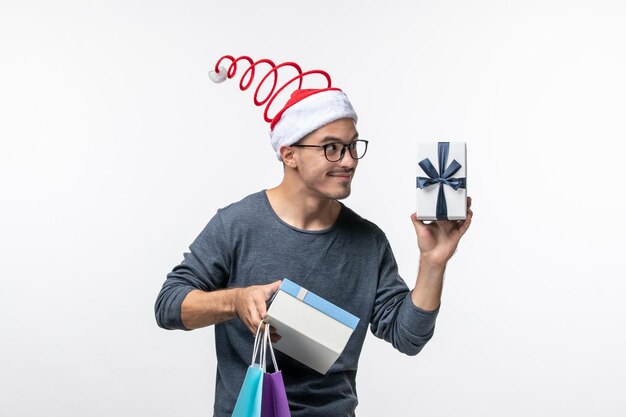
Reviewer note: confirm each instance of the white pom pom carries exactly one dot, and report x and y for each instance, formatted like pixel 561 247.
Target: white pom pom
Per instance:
pixel 218 77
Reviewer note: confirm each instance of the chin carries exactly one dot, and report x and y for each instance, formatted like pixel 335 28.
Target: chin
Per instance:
pixel 338 195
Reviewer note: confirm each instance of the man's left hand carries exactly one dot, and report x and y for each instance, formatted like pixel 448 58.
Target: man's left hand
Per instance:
pixel 439 239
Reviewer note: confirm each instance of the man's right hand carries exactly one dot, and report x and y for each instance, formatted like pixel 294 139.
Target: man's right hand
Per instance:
pixel 251 305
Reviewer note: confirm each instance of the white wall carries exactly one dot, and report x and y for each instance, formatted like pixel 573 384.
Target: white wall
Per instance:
pixel 116 149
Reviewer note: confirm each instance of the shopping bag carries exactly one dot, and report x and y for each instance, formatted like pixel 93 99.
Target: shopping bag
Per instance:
pixel 274 396
pixel 250 396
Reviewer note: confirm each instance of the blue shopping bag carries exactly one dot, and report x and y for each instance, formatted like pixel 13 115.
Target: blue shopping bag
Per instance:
pixel 250 396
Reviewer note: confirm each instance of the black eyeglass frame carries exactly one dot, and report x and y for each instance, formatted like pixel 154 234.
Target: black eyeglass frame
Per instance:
pixel 350 146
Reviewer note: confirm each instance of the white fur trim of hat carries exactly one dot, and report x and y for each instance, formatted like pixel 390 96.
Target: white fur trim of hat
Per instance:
pixel 309 114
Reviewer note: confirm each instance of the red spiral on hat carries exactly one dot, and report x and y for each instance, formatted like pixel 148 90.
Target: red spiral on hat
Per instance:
pixel 250 72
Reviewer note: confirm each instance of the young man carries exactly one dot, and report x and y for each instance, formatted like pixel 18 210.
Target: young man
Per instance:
pixel 299 230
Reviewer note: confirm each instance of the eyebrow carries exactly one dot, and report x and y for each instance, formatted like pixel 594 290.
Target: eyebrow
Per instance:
pixel 334 139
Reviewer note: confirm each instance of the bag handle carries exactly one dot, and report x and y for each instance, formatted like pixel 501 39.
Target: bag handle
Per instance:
pixel 257 343
pixel 264 347
pixel 260 347
pixel 268 342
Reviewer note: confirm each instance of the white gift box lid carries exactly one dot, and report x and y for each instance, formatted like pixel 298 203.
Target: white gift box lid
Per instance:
pixel 313 330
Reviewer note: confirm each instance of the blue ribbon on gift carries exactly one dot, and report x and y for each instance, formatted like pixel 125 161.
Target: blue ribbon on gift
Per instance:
pixel 441 177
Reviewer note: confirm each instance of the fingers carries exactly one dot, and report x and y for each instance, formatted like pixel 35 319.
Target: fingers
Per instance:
pixel 254 318
pixel 259 302
pixel 466 223
pixel 252 305
pixel 274 336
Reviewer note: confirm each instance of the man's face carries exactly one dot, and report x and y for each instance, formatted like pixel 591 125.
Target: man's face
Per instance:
pixel 320 176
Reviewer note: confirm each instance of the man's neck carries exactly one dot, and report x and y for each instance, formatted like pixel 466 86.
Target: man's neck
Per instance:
pixel 298 208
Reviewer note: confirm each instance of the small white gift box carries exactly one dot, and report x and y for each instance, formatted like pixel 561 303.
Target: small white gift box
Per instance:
pixel 313 330
pixel 441 181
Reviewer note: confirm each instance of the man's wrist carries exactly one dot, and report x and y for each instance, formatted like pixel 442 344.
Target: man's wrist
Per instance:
pixel 427 292
pixel 431 266
pixel 233 295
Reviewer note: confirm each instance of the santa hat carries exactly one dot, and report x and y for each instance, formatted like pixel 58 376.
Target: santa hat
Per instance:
pixel 305 111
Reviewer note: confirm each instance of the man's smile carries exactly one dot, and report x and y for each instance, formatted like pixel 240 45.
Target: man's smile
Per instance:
pixel 343 175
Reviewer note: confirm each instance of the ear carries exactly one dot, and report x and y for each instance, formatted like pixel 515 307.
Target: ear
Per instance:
pixel 287 154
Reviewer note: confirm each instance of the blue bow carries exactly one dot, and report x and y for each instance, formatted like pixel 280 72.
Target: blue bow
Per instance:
pixel 442 177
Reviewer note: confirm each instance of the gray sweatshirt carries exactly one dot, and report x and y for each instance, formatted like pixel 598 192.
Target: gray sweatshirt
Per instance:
pixel 349 264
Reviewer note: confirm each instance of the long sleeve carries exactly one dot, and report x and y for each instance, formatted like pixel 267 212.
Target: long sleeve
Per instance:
pixel 395 318
pixel 206 267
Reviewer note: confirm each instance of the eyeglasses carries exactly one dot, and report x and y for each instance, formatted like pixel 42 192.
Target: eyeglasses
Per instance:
pixel 335 151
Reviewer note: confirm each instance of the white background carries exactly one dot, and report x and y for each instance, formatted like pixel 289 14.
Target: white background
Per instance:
pixel 116 150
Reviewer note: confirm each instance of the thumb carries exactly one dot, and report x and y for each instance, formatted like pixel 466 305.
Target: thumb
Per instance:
pixel 417 224
pixel 270 289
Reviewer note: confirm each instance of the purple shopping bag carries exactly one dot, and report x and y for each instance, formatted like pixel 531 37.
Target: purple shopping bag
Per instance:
pixel 274 402
pixel 274 397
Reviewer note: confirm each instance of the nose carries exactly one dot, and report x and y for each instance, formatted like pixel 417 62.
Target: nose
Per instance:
pixel 348 162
